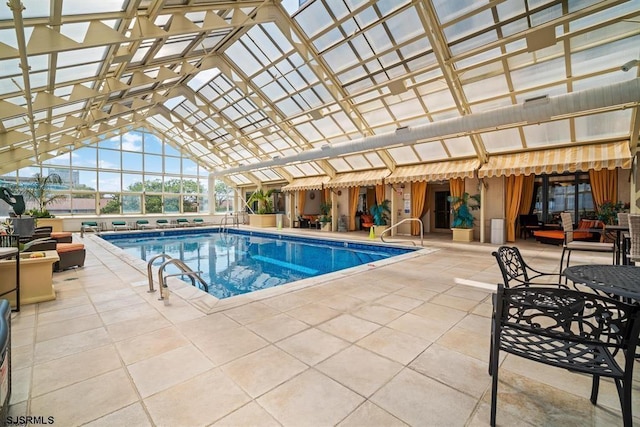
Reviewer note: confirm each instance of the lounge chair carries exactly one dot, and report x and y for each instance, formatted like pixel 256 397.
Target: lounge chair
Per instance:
pixel 183 222
pixel 198 222
pixel 89 226
pixel 120 225
pixel 143 224
pixel 162 223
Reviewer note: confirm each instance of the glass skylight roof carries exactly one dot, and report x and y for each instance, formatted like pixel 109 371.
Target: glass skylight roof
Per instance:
pixel 245 82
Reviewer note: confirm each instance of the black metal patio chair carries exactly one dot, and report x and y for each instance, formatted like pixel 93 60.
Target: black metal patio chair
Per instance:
pixel 537 323
pixel 516 272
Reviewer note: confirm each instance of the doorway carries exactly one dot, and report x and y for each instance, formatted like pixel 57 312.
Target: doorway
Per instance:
pixel 442 210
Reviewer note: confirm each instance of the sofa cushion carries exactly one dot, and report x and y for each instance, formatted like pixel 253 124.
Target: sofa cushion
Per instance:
pixel 69 247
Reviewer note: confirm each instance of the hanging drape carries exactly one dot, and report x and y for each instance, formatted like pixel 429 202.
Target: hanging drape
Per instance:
pixel 513 198
pixel 379 193
pixel 604 186
pixel 526 200
pixel 302 199
pixel 326 195
pixel 419 204
pixel 456 188
pixel 354 192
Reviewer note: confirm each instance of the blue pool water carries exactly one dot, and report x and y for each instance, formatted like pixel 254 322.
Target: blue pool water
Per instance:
pixel 237 262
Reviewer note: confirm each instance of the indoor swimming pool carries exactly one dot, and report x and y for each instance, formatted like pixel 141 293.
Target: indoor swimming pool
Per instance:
pixel 237 262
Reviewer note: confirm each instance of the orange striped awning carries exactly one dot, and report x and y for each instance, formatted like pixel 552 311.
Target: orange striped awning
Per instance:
pixel 438 171
pixel 360 178
pixel 306 183
pixel 610 155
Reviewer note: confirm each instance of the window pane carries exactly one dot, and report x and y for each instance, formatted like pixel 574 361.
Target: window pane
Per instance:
pixel 152 144
pixel 132 161
pixel 153 184
pixel 84 157
pixel 152 163
pixel 109 181
pixel 109 159
pixel 172 165
pixel 110 204
pixel 131 182
pixel 131 203
pixel 172 204
pixel 172 184
pixel 153 204
pixel 86 180
pixel 61 206
pixel 190 203
pixel 83 204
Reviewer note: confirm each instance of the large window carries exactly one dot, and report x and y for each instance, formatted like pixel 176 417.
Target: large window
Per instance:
pixel 563 193
pixel 133 173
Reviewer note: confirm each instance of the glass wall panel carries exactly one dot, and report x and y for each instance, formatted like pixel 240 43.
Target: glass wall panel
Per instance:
pixel 131 161
pixel 109 159
pixel 110 203
pixel 84 157
pixel 83 203
pixel 152 163
pixel 172 165
pixel 131 203
pixel 109 181
pixel 190 203
pixel 172 204
pixel 86 180
pixel 61 206
pixel 153 204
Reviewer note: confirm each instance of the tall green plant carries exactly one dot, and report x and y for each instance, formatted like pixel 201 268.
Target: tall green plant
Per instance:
pixel 265 203
pixel 461 207
pixel 380 212
pixel 40 191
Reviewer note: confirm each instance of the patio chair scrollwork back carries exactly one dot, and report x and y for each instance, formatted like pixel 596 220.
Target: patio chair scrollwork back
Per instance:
pixel 541 324
pixel 516 272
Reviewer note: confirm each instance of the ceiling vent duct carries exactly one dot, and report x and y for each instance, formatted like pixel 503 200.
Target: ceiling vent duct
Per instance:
pixel 618 94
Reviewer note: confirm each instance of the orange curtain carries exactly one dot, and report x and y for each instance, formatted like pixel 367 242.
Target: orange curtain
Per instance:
pixel 302 199
pixel 514 196
pixel 354 192
pixel 604 186
pixel 527 196
pixel 326 195
pixel 456 188
pixel 379 193
pixel 419 204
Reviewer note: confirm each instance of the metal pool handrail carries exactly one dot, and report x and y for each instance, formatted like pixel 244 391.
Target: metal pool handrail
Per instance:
pixel 186 271
pixel 401 222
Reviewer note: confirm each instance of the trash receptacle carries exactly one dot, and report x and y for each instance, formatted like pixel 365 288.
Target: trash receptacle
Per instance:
pixel 279 220
pixel 497 231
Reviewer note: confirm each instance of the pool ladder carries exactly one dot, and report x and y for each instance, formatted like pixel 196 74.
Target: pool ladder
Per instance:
pixel 223 222
pixel 162 278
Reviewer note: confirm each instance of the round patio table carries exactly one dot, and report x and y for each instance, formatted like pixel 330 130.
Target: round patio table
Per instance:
pixel 621 280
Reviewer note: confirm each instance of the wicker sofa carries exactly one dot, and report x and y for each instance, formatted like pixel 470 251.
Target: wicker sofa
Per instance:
pixel 581 232
pixel 70 254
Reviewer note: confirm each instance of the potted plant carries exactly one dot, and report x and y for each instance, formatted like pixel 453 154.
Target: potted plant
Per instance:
pixel 40 192
pixel 325 217
pixel 462 224
pixel 608 212
pixel 264 216
pixel 380 213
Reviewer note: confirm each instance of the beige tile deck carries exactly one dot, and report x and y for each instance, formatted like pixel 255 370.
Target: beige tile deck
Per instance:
pixel 390 344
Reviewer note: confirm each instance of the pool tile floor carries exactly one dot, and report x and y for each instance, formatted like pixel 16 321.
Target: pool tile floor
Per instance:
pixel 394 344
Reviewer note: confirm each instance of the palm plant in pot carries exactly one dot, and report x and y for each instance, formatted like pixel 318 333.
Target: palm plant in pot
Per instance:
pixel 463 220
pixel 380 213
pixel 264 216
pixel 325 217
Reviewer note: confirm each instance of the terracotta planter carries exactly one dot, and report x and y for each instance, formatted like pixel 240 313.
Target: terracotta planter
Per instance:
pixel 462 234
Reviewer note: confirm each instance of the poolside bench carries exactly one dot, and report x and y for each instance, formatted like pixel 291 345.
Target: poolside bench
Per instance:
pixel 89 226
pixel 183 222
